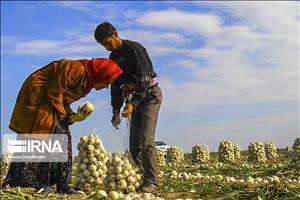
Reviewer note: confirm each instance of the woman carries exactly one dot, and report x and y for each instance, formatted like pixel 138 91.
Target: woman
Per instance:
pixel 43 107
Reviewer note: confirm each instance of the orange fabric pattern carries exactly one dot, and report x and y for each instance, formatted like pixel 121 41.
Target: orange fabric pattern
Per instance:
pixel 46 95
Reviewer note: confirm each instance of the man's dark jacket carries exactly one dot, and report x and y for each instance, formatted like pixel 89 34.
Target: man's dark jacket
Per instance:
pixel 137 68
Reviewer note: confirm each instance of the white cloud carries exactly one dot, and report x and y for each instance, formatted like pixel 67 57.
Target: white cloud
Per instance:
pixel 189 64
pixel 163 50
pixel 276 17
pixel 37 46
pixel 249 62
pixel 188 22
pixel 149 37
pixel 73 46
pixel 77 5
pixel 50 47
pixel 235 83
pixel 157 43
pixel 7 42
pixel 97 9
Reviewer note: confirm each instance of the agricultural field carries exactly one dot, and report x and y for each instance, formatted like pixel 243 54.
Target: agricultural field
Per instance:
pixel 260 172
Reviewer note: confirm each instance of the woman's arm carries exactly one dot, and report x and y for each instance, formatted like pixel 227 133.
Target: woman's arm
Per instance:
pixel 68 109
pixel 68 73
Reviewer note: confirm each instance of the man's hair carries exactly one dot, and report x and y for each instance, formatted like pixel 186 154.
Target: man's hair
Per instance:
pixel 104 30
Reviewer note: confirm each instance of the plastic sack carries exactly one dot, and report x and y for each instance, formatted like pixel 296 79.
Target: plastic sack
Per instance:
pixel 120 137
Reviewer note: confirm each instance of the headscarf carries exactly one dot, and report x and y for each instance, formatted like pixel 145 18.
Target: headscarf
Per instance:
pixel 100 70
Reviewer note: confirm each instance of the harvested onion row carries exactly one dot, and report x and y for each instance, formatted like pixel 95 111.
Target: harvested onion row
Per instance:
pixel 237 151
pixel 122 175
pixel 175 155
pixel 270 150
pixel 226 151
pixel 5 161
pixel 91 169
pixel 256 152
pixel 160 154
pixel 200 153
pixel 296 151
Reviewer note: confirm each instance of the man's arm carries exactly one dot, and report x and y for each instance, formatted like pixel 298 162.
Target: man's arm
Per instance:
pixel 116 93
pixel 116 97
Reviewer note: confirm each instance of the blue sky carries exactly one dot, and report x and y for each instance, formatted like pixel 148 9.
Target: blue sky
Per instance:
pixel 228 70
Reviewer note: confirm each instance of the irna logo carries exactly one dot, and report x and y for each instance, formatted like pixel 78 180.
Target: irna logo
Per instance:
pixel 34 146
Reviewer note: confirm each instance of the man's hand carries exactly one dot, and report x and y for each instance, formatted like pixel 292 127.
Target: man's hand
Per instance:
pixel 116 119
pixel 127 110
pixel 128 89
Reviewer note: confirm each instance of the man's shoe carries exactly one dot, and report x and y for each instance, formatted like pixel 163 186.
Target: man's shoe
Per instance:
pixel 47 189
pixel 148 188
pixel 5 183
pixel 43 189
pixel 69 191
pixel 65 189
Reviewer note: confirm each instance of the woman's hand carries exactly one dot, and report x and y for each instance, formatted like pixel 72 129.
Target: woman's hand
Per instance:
pixel 82 112
pixel 87 108
pixel 77 117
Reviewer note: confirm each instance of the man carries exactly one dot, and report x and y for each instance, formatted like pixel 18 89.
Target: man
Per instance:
pixel 139 78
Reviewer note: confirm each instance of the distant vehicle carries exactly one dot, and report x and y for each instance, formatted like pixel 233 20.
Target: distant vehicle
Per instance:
pixel 161 146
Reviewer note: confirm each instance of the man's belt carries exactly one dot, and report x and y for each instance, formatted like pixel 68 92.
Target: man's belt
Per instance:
pixel 128 94
pixel 153 82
